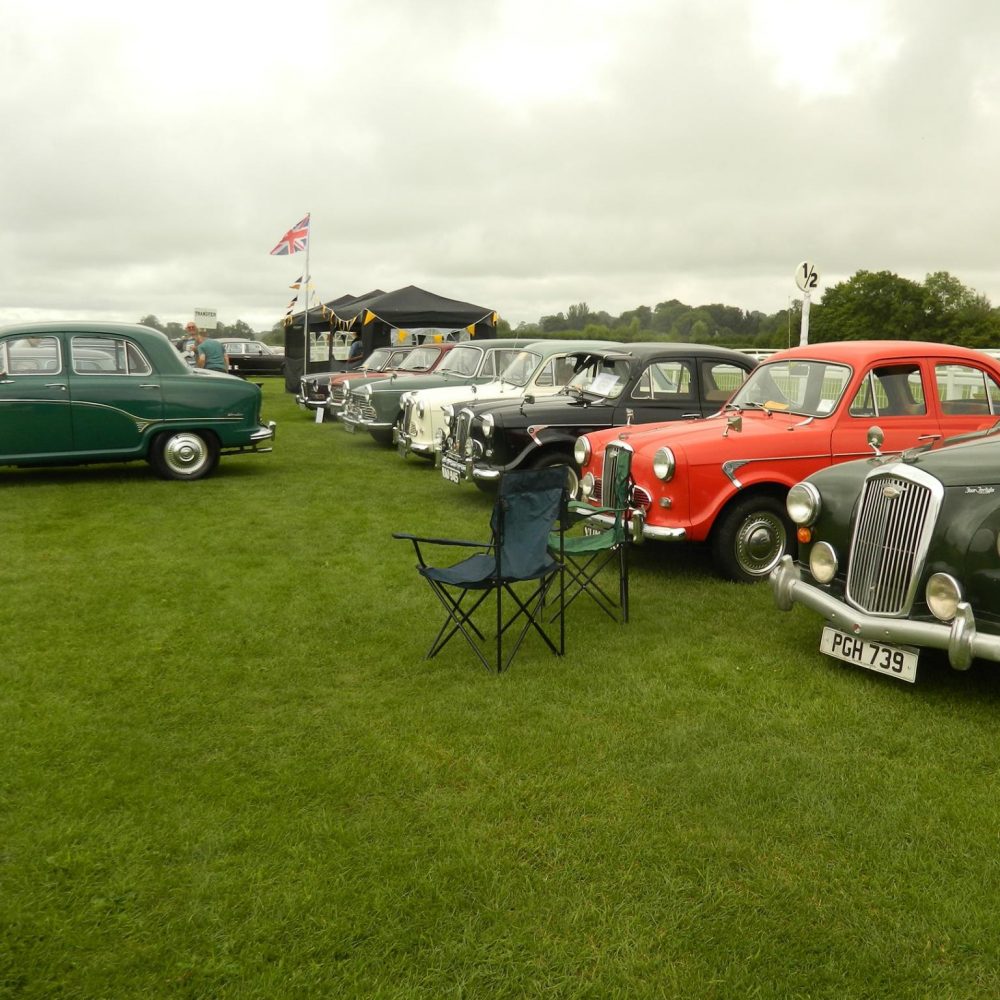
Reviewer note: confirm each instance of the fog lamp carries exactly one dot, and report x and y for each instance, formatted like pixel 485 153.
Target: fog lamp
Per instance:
pixel 823 562
pixel 587 485
pixel 943 593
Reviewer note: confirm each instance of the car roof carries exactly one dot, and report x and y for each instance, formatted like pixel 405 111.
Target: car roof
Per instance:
pixel 862 352
pixel 644 350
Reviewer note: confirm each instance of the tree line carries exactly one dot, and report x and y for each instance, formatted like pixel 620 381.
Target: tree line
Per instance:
pixel 870 305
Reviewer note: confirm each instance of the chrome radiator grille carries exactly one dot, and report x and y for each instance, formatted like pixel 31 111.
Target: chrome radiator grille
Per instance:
pixel 896 515
pixel 407 414
pixel 614 456
pixel 338 393
pixel 463 424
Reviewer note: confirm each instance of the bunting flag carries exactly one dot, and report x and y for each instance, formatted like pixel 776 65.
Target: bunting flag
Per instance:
pixel 297 283
pixel 296 239
pixel 369 316
pixel 472 329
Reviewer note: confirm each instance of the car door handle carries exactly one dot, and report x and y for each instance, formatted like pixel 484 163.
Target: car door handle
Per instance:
pixel 149 385
pixel 55 385
pixel 6 381
pixel 929 437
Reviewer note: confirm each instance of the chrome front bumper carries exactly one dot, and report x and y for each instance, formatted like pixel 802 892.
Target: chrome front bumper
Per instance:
pixel 959 637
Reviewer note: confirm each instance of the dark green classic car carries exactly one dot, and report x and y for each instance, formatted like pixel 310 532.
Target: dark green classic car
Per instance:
pixel 84 392
pixel 898 553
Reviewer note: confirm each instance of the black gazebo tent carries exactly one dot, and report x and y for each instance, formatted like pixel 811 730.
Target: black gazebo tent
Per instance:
pixel 377 315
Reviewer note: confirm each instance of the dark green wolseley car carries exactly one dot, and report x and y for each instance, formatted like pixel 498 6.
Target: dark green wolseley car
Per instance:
pixel 901 553
pixel 85 392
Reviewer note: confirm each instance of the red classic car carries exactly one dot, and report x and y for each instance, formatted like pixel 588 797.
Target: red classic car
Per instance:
pixel 723 479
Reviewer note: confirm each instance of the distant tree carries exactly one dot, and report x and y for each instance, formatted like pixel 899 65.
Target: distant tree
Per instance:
pixel 596 331
pixel 871 305
pixel 553 324
pixel 152 321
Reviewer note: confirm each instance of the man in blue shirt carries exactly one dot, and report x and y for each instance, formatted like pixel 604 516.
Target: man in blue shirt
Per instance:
pixel 209 353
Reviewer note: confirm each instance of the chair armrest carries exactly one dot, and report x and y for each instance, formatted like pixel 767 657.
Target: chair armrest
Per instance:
pixel 585 510
pixel 441 541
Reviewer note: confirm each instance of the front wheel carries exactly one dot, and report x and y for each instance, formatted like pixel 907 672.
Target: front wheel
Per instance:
pixel 750 538
pixel 572 474
pixel 185 455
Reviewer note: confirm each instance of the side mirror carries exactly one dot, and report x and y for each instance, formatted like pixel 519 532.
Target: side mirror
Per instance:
pixel 529 400
pixel 733 422
pixel 876 438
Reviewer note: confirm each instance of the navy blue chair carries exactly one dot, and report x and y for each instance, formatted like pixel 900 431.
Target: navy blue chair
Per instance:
pixel 516 567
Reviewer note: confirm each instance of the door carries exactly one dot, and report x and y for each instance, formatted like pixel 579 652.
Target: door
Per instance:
pixel 894 398
pixel 115 392
pixel 34 398
pixel 664 390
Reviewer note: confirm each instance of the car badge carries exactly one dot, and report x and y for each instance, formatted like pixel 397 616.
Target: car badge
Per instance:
pixel 984 491
pixel 891 492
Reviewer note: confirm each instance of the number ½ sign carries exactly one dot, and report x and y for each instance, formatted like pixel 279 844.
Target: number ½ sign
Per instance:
pixel 806 276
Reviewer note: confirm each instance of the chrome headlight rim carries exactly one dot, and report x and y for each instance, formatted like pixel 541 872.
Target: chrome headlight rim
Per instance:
pixel 943 594
pixel 488 423
pixel 587 484
pixel 664 464
pixel 804 504
pixel 581 451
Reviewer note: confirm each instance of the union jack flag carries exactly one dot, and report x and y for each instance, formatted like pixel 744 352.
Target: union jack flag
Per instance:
pixel 297 238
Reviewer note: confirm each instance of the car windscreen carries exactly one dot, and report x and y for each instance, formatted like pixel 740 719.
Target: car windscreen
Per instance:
pixel 521 368
pixel 604 377
pixel 378 358
pixel 809 388
pixel 420 359
pixel 461 361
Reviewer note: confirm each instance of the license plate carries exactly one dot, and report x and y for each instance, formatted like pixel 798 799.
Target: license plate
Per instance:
pixel 349 427
pixel 895 661
pixel 451 471
pixel 594 529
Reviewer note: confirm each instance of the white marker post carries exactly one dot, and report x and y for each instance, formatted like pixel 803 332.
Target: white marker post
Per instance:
pixel 807 278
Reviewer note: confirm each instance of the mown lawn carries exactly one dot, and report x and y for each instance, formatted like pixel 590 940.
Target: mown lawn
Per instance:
pixel 228 771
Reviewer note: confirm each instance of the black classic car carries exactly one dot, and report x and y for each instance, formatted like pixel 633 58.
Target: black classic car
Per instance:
pixel 251 357
pixel 636 383
pixel 901 553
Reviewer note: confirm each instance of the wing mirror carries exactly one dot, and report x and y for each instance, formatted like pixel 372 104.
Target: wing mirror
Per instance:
pixel 876 438
pixel 733 422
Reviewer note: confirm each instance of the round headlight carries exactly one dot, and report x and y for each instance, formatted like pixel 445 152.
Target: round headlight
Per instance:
pixel 581 451
pixel 663 464
pixel 823 562
pixel 487 424
pixel 943 593
pixel 803 503
pixel 587 485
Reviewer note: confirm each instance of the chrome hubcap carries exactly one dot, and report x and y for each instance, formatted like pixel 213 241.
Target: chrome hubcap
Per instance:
pixel 760 543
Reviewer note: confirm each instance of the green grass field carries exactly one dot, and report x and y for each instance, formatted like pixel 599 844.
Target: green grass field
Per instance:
pixel 228 772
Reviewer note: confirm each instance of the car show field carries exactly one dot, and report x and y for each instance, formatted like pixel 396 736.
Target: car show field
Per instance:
pixel 229 772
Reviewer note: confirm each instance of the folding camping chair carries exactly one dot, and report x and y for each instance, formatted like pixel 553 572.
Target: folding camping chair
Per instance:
pixel 586 555
pixel 528 505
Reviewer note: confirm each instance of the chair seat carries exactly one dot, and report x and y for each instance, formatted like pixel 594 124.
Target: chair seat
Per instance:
pixel 478 572
pixel 596 542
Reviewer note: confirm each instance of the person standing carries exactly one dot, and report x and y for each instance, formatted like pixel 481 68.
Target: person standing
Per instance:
pixel 209 353
pixel 356 350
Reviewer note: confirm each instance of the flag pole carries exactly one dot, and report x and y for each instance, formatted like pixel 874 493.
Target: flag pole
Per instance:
pixel 305 314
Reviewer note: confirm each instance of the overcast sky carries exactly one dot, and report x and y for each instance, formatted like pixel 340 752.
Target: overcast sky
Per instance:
pixel 523 155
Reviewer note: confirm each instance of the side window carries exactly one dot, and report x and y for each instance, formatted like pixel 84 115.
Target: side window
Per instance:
pixel 964 389
pixel 547 376
pixel 719 380
pixel 31 356
pixel 137 363
pixel 107 356
pixel 664 380
pixel 891 391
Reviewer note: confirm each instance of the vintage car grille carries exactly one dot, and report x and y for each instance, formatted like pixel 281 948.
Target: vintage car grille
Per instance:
pixel 614 455
pixel 463 425
pixel 896 515
pixel 407 415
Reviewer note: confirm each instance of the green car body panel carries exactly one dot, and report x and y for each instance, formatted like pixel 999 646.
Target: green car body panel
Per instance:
pixel 82 392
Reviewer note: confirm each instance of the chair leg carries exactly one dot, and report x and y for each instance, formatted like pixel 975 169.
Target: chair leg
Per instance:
pixel 583 580
pixel 458 618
